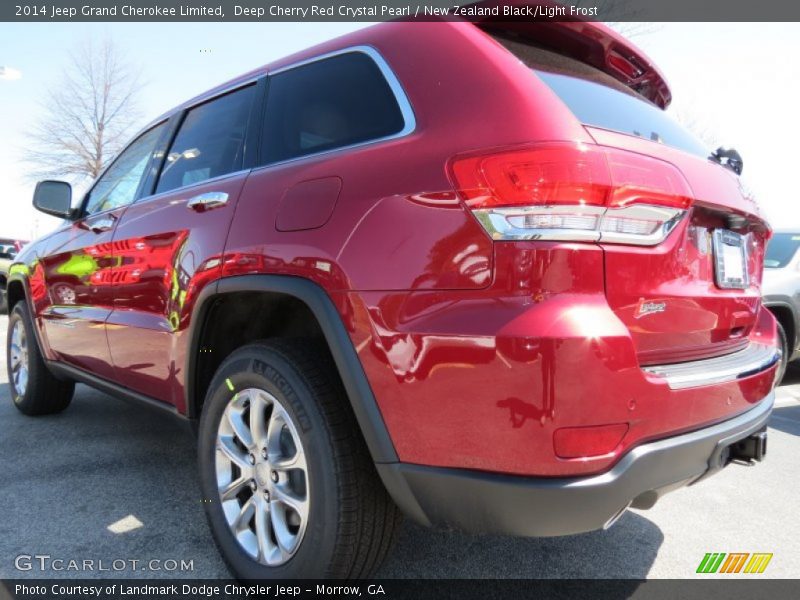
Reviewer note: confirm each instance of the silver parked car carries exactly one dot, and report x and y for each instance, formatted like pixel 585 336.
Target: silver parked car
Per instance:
pixel 781 290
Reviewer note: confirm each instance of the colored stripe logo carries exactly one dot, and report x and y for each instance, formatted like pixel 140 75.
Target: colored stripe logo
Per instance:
pixel 734 562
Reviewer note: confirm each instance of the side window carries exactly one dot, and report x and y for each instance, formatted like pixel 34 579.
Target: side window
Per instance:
pixel 117 187
pixel 210 142
pixel 328 104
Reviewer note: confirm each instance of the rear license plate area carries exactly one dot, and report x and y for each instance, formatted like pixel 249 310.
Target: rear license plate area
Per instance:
pixel 730 260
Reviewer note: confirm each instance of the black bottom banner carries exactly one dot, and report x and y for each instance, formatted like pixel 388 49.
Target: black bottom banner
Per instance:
pixel 479 589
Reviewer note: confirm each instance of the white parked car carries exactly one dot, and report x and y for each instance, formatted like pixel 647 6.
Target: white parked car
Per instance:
pixel 781 291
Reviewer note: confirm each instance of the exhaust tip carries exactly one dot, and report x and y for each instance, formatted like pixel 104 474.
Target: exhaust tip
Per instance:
pixel 616 516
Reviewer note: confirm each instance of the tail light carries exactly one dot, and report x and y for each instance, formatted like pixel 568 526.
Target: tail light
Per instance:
pixel 573 191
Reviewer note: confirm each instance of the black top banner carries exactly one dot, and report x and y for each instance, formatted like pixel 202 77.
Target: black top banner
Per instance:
pixel 406 10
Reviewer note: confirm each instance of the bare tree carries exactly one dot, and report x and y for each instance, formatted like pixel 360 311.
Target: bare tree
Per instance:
pixel 632 29
pixel 710 138
pixel 87 117
pixel 699 128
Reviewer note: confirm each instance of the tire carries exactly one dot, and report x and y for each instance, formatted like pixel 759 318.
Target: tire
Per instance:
pixel 784 345
pixel 34 389
pixel 350 521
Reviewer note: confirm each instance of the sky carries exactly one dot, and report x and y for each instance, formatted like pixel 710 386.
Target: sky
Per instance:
pixel 738 82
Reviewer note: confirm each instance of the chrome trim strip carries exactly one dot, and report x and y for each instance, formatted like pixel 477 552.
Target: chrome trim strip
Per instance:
pixel 208 201
pixel 749 361
pixel 503 223
pixel 671 217
pixel 203 99
pixel 507 223
pixel 189 187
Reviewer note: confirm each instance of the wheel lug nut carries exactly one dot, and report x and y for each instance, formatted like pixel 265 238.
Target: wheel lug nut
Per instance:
pixel 252 486
pixel 274 476
pixel 252 459
pixel 264 453
pixel 266 496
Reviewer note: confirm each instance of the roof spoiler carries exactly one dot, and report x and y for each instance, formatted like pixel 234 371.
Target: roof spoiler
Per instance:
pixel 590 42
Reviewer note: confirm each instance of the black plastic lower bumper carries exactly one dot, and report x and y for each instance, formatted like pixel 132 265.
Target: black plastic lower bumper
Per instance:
pixel 492 503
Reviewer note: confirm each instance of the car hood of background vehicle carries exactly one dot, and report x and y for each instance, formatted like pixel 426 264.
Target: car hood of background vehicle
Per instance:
pixel 784 281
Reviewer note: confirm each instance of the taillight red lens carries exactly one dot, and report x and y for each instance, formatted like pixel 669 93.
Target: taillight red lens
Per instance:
pixel 572 191
pixel 568 173
pixel 582 442
pixel 550 174
pixel 644 180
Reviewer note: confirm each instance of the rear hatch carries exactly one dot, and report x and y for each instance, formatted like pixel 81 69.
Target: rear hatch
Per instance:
pixel 695 291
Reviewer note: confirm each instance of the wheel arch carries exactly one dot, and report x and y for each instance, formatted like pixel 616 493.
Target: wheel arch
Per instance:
pixel 785 315
pixel 15 291
pixel 318 302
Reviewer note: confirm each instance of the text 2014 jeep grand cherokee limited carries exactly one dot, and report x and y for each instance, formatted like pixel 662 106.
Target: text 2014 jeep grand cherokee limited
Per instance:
pixel 467 272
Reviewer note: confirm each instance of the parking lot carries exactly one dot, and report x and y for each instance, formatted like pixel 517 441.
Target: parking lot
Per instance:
pixel 113 481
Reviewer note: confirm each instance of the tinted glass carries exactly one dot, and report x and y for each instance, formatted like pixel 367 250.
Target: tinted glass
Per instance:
pixel 118 185
pixel 602 106
pixel 781 250
pixel 328 104
pixel 210 142
pixel 596 98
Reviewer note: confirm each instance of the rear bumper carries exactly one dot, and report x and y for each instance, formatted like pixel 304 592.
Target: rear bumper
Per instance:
pixel 493 503
pixel 752 360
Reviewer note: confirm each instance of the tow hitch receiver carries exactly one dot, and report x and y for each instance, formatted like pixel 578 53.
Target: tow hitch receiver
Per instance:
pixel 751 448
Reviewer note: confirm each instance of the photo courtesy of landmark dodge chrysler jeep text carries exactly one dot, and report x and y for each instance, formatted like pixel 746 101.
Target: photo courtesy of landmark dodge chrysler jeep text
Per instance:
pixel 480 279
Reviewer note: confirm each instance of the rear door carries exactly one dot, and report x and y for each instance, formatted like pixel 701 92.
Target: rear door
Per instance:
pixel 78 262
pixel 168 245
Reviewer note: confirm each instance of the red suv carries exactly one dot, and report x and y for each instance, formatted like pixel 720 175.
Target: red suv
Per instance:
pixel 469 272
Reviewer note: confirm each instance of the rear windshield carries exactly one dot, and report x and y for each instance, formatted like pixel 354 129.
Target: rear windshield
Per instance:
pixel 599 100
pixel 781 249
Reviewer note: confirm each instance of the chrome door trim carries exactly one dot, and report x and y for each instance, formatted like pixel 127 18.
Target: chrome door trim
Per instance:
pixel 101 225
pixel 207 201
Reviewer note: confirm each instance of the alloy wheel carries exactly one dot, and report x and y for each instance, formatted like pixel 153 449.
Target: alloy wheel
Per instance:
pixel 18 357
pixel 262 476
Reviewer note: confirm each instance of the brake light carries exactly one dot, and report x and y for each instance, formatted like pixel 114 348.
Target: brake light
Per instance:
pixel 572 191
pixel 626 66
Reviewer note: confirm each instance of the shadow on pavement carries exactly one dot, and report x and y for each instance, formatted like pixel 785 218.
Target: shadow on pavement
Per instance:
pixel 626 550
pixel 786 419
pixel 68 477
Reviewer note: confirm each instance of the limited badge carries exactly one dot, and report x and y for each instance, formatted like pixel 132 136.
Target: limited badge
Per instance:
pixel 648 308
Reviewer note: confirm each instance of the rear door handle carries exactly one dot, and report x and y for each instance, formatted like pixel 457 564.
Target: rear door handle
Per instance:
pixel 101 225
pixel 207 201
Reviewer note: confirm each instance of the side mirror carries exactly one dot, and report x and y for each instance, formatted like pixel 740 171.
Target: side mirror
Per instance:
pixel 54 198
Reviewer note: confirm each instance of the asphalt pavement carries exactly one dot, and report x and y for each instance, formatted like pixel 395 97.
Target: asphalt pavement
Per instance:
pixel 109 481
